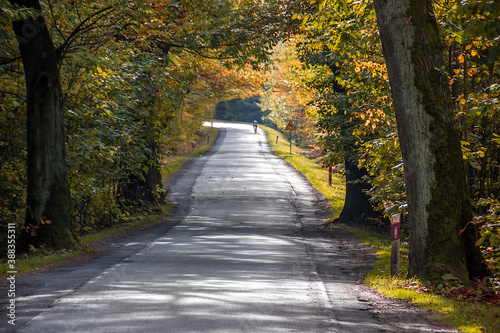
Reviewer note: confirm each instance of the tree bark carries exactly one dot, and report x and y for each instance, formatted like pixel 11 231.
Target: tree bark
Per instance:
pixel 49 219
pixel 438 199
pixel 357 205
pixel 135 190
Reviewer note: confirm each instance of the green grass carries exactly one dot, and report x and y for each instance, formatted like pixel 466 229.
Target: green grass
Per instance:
pixel 173 163
pixel 317 175
pixel 466 315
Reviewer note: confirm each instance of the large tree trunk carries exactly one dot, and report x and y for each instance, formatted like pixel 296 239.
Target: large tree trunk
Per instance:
pixel 438 198
pixel 49 218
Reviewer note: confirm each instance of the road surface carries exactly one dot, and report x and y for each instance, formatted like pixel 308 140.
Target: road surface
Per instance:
pixel 243 253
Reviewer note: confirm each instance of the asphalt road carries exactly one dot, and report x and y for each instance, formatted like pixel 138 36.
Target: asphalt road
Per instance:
pixel 244 253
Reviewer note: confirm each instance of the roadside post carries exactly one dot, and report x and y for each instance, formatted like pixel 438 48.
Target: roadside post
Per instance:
pixel 330 171
pixel 395 236
pixel 290 127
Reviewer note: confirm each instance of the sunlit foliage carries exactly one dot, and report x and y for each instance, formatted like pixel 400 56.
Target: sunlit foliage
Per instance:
pixel 138 78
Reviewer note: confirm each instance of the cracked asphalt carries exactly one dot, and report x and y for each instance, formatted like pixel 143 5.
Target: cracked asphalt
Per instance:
pixel 246 251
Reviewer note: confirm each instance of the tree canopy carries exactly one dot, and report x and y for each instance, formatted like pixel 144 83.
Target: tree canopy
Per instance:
pixel 133 80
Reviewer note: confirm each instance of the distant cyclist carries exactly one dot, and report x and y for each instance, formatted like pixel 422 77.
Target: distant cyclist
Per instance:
pixel 255 126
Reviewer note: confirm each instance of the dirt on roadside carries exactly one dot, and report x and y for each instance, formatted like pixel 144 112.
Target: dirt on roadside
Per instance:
pixel 394 314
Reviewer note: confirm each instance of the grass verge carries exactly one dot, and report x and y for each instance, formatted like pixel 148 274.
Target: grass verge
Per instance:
pixel 465 314
pixel 316 174
pixel 41 258
pixel 173 163
pixel 468 315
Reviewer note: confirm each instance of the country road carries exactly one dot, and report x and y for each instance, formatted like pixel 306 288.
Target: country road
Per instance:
pixel 244 252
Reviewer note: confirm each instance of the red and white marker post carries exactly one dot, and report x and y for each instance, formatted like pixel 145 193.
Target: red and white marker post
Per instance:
pixel 395 235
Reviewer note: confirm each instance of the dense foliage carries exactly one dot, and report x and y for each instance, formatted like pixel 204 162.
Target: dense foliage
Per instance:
pixel 344 72
pixel 138 79
pixel 245 110
pixel 286 96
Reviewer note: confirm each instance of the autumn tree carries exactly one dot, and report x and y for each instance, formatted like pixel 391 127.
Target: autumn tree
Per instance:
pixel 286 95
pixel 346 32
pixel 49 214
pixel 130 76
pixel 350 113
pixel 439 207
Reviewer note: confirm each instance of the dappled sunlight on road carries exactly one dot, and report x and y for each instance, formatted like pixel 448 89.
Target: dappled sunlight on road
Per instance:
pixel 244 255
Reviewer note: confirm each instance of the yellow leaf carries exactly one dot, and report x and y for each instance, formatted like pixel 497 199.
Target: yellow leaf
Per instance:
pixel 468 47
pixel 473 53
pixel 461 59
pixel 480 240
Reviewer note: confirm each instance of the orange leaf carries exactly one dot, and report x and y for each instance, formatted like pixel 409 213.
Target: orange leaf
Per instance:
pixel 462 230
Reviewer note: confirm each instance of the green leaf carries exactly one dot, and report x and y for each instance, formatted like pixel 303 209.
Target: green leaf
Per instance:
pixel 481 240
pixel 449 277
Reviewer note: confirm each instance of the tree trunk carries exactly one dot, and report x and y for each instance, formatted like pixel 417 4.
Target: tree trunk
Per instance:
pixel 136 189
pixel 438 199
pixel 49 218
pixel 357 205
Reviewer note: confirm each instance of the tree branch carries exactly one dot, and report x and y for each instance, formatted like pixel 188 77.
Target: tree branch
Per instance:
pixel 9 93
pixel 6 61
pixel 82 27
pixel 54 20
